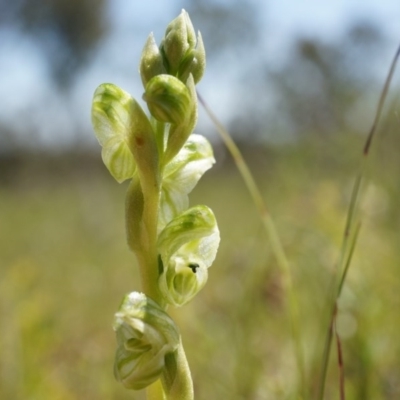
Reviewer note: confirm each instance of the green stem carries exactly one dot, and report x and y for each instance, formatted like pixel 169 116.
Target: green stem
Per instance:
pixel 149 277
pixel 141 222
pixel 159 128
pixel 155 391
pixel 177 379
pixel 276 243
pixel 143 202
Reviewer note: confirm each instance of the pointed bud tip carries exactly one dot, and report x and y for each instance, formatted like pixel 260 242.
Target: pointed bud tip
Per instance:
pixel 179 39
pixel 151 61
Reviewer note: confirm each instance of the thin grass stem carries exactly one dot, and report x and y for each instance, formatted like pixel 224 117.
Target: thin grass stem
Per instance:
pixel 276 244
pixel 345 254
pixel 340 363
pixel 337 283
pixel 381 102
pixel 349 258
pixel 326 355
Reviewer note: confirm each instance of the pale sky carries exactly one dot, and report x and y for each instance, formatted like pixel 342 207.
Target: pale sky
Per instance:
pixel 23 73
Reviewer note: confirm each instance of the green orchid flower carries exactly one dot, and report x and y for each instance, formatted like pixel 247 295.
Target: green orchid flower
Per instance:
pixel 145 335
pixel 124 132
pixel 187 246
pixel 181 175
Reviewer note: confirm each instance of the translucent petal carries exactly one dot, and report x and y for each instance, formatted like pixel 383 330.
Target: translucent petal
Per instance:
pixel 181 176
pixel 187 246
pixel 145 334
pixel 111 119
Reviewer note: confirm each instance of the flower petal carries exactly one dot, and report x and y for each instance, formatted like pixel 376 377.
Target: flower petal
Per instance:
pixel 111 119
pixel 187 247
pixel 181 176
pixel 145 334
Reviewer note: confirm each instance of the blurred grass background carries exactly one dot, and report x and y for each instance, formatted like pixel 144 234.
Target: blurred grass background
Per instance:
pixel 65 267
pixel 64 263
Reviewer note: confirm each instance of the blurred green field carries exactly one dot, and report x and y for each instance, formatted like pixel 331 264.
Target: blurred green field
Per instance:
pixel 65 267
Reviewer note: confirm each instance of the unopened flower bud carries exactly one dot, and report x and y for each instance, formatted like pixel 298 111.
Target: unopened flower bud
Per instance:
pixel 145 335
pixel 179 133
pixel 194 62
pixel 168 99
pixel 179 38
pixel 151 62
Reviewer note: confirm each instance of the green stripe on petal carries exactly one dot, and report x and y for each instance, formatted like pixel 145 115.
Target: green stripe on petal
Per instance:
pixel 169 99
pixel 145 334
pixel 118 159
pixel 111 119
pixel 187 246
pixel 179 132
pixel 181 176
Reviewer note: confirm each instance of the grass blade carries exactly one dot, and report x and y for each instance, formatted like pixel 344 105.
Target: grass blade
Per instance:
pixel 344 265
pixel 276 244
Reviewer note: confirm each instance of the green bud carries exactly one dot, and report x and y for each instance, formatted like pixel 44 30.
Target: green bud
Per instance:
pixel 187 247
pixel 181 175
pixel 179 133
pixel 179 38
pixel 145 335
pixel 111 119
pixel 151 62
pixel 194 62
pixel 190 32
pixel 168 99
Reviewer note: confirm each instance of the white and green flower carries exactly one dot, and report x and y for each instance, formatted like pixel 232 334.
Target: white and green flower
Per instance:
pixel 187 246
pixel 124 132
pixel 181 175
pixel 145 335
